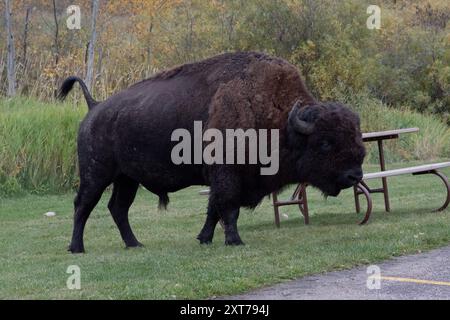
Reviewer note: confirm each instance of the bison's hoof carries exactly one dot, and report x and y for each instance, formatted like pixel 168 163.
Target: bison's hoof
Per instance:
pixel 204 239
pixel 134 245
pixel 207 242
pixel 76 249
pixel 234 242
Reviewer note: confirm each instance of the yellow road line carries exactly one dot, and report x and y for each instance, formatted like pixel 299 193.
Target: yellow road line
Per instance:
pixel 438 283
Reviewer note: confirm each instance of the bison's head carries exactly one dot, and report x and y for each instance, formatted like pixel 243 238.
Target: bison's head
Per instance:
pixel 328 142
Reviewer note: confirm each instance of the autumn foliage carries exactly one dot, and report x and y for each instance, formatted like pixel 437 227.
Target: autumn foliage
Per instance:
pixel 406 62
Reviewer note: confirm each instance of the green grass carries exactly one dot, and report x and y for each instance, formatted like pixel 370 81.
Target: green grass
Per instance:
pixel 172 264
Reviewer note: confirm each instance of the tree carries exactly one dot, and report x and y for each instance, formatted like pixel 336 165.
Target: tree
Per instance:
pixel 11 59
pixel 56 39
pixel 25 37
pixel 91 47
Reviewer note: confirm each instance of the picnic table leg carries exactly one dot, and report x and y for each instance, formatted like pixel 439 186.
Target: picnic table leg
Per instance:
pixel 357 205
pixel 304 205
pixel 366 193
pixel 276 210
pixel 384 180
pixel 446 183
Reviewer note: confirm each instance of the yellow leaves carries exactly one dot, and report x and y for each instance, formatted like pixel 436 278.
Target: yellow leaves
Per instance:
pixel 49 72
pixel 308 51
pixel 64 67
pixel 146 8
pixel 138 36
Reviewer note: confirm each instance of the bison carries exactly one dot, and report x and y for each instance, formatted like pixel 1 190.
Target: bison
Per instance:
pixel 126 139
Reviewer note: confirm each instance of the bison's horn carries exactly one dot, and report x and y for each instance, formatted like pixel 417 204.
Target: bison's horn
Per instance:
pixel 301 126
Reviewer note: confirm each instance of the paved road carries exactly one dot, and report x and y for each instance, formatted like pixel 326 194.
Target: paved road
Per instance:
pixel 433 266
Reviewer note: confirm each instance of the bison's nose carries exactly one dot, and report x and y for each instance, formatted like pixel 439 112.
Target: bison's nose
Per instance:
pixel 354 176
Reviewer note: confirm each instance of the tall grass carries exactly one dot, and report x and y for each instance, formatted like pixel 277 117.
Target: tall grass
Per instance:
pixel 430 143
pixel 38 141
pixel 37 146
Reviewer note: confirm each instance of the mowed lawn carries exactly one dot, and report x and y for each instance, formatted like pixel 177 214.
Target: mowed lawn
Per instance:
pixel 172 265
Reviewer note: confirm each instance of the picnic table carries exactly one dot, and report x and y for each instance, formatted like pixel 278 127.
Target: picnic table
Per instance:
pixel 379 137
pixel 299 196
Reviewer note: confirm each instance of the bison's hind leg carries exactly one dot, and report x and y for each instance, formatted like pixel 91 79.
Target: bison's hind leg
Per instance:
pixel 124 192
pixel 88 195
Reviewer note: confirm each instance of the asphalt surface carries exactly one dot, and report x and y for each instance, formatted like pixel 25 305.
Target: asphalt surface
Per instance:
pixel 397 281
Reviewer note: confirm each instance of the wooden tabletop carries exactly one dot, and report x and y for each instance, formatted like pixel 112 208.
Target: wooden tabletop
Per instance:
pixel 389 134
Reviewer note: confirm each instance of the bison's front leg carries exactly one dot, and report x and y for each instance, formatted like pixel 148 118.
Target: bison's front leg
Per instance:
pixel 206 235
pixel 223 204
pixel 230 218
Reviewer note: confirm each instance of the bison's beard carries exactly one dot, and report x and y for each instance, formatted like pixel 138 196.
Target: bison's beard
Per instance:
pixel 333 189
pixel 329 189
pixel 333 192
pixel 329 185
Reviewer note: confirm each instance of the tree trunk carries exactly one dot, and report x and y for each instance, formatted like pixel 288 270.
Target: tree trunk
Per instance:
pixel 91 48
pixel 56 40
pixel 25 38
pixel 11 59
pixel 56 45
pixel 99 63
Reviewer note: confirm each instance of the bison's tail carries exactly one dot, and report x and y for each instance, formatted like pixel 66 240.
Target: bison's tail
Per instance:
pixel 67 85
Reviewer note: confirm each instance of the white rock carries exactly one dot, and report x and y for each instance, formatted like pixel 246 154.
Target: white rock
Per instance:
pixel 50 214
pixel 285 216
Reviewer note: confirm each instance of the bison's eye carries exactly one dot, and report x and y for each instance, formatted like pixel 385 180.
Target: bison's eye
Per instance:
pixel 326 146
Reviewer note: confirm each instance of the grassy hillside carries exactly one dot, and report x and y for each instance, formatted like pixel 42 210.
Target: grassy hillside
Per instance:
pixel 38 141
pixel 430 143
pixel 37 146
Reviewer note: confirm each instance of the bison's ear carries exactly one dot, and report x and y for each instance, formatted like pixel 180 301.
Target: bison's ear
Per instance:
pixel 302 119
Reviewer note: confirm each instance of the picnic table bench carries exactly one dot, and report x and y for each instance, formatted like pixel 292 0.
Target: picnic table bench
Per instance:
pixel 299 196
pixel 418 170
